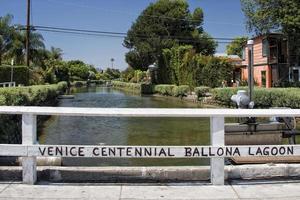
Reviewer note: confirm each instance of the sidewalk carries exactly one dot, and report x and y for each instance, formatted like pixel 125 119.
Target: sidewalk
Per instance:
pixel 237 190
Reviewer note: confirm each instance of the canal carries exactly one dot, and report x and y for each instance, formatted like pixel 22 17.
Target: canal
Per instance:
pixel 125 131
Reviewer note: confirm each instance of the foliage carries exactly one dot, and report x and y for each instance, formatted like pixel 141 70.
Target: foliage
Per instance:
pixel 128 86
pixel 185 67
pixel 263 97
pixel 201 91
pixel 5 35
pixel 39 95
pixel 20 74
pixel 162 25
pixel 171 90
pixel 265 16
pixel 127 74
pixel 236 46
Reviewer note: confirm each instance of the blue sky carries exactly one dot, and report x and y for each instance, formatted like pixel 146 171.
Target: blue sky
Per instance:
pixel 222 18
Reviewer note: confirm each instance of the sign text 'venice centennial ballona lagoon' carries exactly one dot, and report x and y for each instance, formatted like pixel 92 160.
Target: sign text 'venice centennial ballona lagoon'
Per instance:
pixel 161 151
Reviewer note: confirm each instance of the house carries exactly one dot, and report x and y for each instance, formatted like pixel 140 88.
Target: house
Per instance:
pixel 271 65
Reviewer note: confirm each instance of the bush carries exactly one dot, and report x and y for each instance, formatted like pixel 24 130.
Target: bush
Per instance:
pixel 20 74
pixel 38 95
pixel 263 98
pixel 127 86
pixel 201 91
pixel 164 89
pixel 171 90
pixel 180 91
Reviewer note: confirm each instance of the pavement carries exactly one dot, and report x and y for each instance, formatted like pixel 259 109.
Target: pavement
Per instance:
pixel 286 190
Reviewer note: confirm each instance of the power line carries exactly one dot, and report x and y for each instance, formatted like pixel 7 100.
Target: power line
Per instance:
pixel 123 34
pixel 119 35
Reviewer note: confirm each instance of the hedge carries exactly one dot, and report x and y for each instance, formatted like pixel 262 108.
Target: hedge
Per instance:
pixel 171 90
pixel 201 91
pixel 20 74
pixel 128 86
pixel 263 98
pixel 39 95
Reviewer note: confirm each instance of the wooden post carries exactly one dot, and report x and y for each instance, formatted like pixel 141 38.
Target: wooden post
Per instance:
pixel 217 139
pixel 29 138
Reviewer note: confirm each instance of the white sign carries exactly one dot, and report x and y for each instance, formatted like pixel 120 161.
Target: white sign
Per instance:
pixel 148 151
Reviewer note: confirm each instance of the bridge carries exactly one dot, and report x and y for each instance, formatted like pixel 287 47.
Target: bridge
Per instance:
pixel 216 151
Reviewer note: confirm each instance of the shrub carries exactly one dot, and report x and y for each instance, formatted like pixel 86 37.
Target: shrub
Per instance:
pixel 128 86
pixel 201 91
pixel 164 89
pixel 180 91
pixel 171 90
pixel 38 95
pixel 20 74
pixel 262 97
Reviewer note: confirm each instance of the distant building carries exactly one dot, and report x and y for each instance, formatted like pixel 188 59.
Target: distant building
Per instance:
pixel 271 62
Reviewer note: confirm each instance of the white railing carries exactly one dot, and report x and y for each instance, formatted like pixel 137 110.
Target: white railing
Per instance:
pixel 8 84
pixel 29 149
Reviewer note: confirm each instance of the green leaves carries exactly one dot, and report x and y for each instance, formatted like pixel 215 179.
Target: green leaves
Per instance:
pixel 163 25
pixel 236 46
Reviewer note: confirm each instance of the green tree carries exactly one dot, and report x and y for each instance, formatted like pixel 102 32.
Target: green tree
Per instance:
pixel 55 53
pixel 18 47
pixel 5 35
pixel 264 16
pixel 162 25
pixel 236 46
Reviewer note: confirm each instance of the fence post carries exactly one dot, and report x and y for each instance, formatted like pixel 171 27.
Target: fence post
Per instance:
pixel 29 138
pixel 217 139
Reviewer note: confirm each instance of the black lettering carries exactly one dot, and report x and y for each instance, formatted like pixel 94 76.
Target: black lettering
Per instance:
pixel 148 152
pixel 72 153
pixel 188 151
pixel 258 151
pixel 42 151
pixel 138 152
pixel 210 152
pixel 103 151
pixel 220 151
pixel 50 151
pixel 266 151
pixel 249 152
pixel 203 153
pixel 128 151
pixel 196 152
pixel 162 152
pixel 121 149
pixel 236 151
pixel 58 151
pixel 96 151
pixel 169 152
pixel 274 151
pixel 282 150
pixel 111 151
pixel 290 151
pixel 80 151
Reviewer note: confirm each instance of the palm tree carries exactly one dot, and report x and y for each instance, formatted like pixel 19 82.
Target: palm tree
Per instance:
pixel 18 47
pixel 5 35
pixel 55 53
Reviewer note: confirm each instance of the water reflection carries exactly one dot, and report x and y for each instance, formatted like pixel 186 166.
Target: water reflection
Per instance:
pixel 125 131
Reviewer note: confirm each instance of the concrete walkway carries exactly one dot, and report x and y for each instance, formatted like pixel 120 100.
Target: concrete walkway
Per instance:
pixel 287 190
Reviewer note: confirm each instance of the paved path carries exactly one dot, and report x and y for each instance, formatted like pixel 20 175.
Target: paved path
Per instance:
pixel 237 190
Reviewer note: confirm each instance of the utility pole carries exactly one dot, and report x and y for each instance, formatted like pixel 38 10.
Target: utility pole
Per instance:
pixel 28 33
pixel 250 68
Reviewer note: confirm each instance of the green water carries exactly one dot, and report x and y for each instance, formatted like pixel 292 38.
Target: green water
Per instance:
pixel 125 131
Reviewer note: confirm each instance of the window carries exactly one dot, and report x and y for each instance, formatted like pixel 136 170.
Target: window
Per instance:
pixel 265 48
